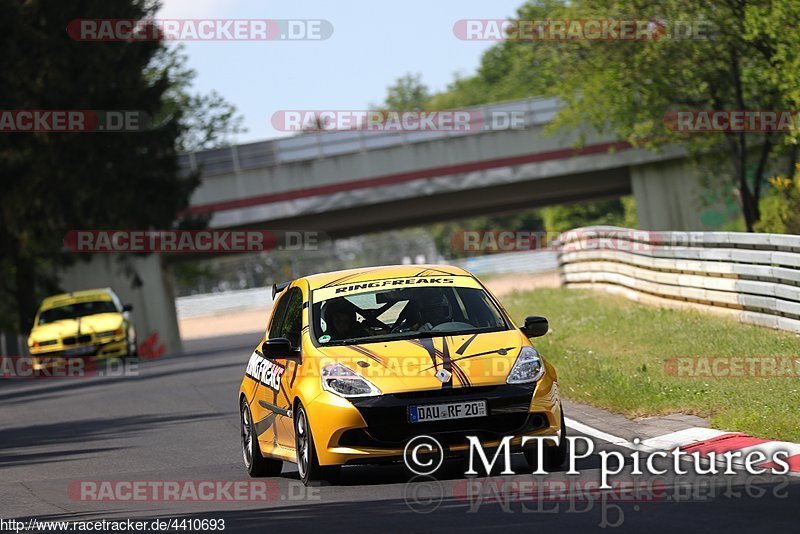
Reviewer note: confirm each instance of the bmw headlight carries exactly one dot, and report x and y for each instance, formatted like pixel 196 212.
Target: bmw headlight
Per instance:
pixel 344 382
pixel 529 367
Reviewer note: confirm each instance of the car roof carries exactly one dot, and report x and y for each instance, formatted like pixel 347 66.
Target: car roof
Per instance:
pixel 77 296
pixel 365 274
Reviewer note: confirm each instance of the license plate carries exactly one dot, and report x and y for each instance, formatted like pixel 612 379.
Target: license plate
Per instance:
pixel 451 410
pixel 79 351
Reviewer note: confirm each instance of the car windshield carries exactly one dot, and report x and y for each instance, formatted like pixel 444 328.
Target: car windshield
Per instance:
pixel 75 310
pixel 392 314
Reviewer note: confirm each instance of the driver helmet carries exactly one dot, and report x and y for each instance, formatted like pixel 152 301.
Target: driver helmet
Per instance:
pixel 435 308
pixel 340 316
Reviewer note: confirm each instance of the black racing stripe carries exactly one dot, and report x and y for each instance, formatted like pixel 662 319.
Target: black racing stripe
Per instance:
pixel 418 342
pixel 427 344
pixel 294 374
pixel 466 344
pixel 274 408
pixel 365 352
pixel 334 282
pixel 445 272
pixel 447 365
pixel 461 374
pixel 482 354
pixel 474 355
pixel 265 424
pixel 349 276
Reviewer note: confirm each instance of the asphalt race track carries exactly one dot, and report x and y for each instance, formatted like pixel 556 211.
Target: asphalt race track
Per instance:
pixel 177 420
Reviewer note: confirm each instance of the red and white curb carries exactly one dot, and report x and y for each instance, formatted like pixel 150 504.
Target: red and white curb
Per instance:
pixel 704 441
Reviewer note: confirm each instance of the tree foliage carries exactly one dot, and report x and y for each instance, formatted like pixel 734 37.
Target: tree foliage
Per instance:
pixel 55 182
pixel 743 55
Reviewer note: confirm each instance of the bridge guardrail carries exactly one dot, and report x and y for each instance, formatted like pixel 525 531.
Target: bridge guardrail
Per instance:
pixel 754 277
pixel 313 145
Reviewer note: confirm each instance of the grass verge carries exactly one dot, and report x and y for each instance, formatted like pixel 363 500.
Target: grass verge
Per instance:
pixel 615 354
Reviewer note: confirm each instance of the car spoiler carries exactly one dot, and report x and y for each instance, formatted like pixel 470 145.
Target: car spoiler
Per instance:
pixel 277 288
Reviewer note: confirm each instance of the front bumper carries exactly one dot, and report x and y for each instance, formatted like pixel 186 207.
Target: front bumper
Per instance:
pixel 372 429
pixel 95 350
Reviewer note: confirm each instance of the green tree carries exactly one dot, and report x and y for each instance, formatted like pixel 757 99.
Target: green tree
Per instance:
pixel 208 121
pixel 781 206
pixel 747 62
pixel 407 93
pixel 54 182
pixel 614 212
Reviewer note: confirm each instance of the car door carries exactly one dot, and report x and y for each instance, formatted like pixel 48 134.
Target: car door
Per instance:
pixel 272 404
pixel 261 400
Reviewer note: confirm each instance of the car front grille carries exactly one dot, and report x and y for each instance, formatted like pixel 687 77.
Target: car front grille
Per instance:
pixel 74 340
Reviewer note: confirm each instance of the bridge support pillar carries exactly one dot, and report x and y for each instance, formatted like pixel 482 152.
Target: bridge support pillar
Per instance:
pixel 667 196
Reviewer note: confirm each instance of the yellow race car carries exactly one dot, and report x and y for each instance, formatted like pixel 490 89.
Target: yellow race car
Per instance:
pixel 89 324
pixel 356 363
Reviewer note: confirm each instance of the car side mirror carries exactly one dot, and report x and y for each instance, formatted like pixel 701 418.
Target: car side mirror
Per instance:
pixel 535 326
pixel 279 348
pixel 127 307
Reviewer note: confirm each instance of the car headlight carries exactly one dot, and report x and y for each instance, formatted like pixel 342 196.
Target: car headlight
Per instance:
pixel 117 332
pixel 344 382
pixel 529 367
pixel 46 343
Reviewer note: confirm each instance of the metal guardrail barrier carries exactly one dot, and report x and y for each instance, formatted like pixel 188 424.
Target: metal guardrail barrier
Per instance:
pixel 313 145
pixel 754 277
pixel 510 262
pixel 224 302
pixel 261 298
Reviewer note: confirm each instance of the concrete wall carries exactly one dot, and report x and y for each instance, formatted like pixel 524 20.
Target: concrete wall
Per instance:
pixel 667 196
pixel 142 282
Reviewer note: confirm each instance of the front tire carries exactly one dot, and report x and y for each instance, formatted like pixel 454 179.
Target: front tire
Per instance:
pixel 130 348
pixel 257 465
pixel 307 462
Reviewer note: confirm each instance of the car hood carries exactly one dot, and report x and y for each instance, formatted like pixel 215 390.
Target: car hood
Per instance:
pixel 412 364
pixel 102 322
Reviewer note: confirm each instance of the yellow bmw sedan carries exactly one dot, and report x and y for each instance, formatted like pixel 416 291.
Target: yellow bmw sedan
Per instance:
pixel 354 364
pixel 92 323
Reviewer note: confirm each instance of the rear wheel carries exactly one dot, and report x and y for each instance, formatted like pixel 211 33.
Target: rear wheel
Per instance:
pixel 307 462
pixel 257 465
pixel 554 457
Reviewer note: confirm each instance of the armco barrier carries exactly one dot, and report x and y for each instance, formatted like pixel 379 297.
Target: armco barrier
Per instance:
pixel 753 277
pixel 510 262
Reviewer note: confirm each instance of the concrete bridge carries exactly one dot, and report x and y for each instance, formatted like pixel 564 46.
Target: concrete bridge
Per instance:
pixel 350 182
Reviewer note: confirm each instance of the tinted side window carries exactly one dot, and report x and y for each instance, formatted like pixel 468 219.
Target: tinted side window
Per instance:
pixel 293 320
pixel 277 316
